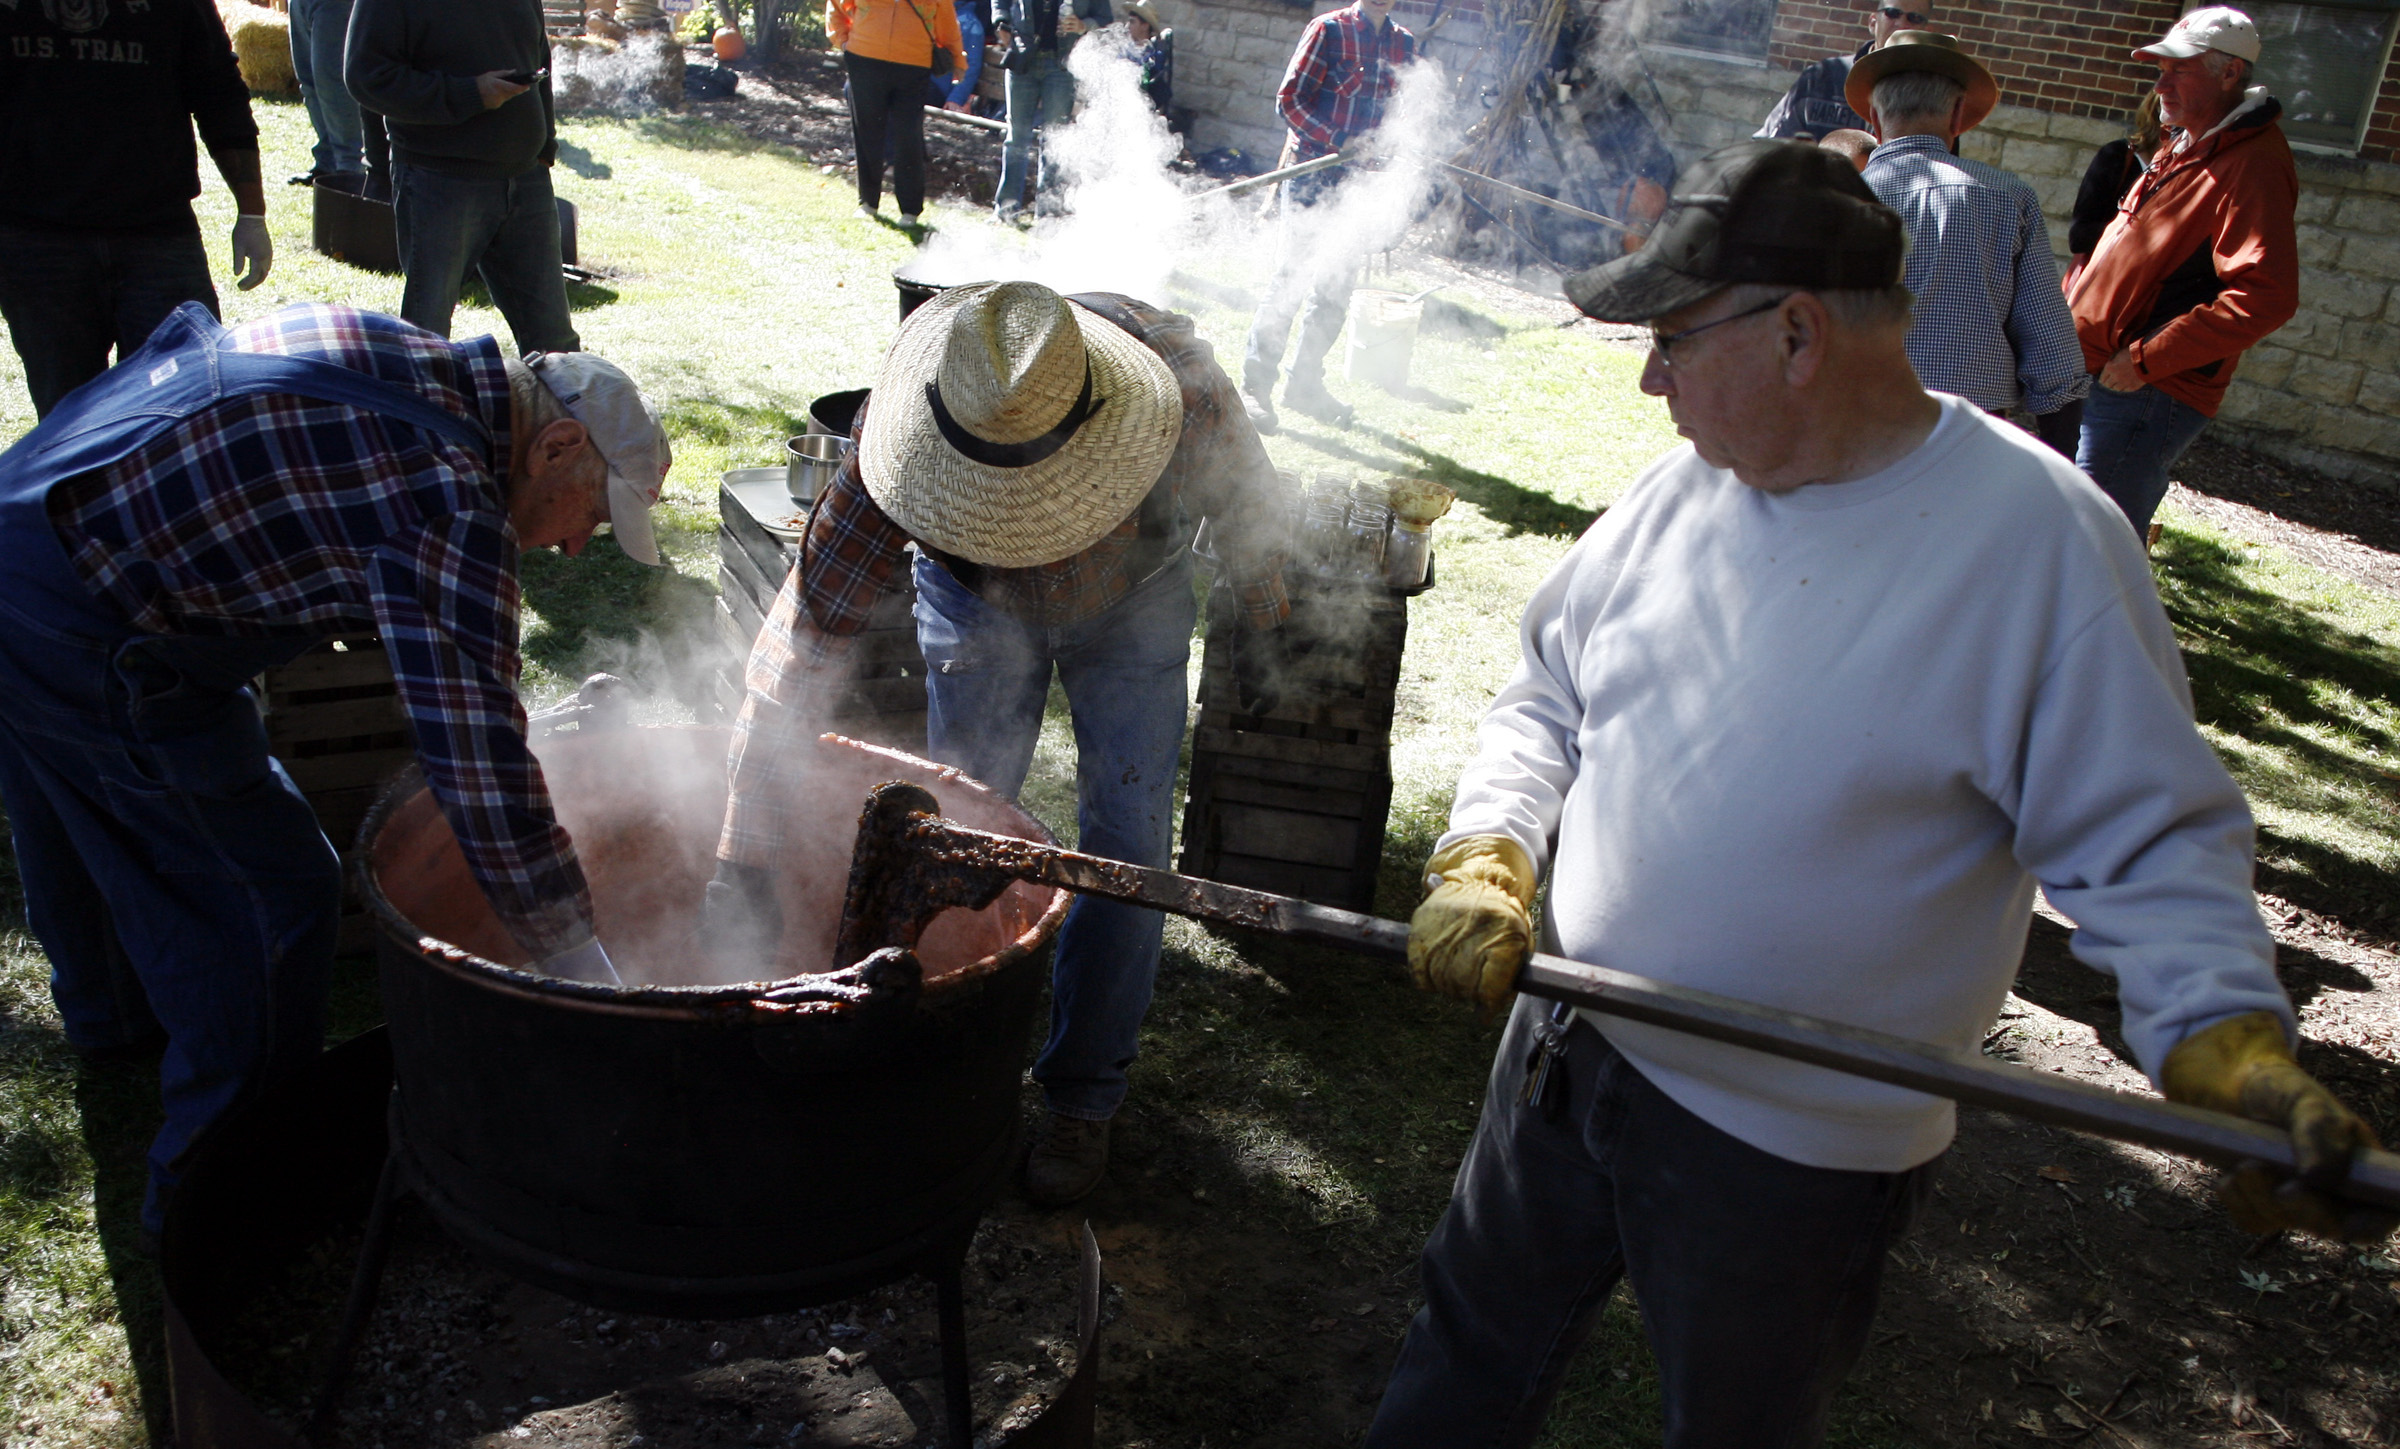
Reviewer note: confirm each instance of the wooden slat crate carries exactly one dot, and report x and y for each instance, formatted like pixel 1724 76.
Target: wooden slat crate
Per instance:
pixel 334 719
pixel 1294 798
pixel 882 699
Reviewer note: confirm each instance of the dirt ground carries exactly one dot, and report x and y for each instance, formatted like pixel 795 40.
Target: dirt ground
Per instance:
pixel 2060 1289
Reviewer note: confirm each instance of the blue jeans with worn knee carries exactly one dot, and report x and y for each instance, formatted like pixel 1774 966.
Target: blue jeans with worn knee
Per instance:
pixel 507 230
pixel 319 28
pixel 2130 440
pixel 1040 97
pixel 1757 1277
pixel 1124 674
pixel 173 873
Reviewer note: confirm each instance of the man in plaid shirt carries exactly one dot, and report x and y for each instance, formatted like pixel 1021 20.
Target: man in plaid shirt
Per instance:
pixel 211 508
pixel 1142 420
pixel 1334 93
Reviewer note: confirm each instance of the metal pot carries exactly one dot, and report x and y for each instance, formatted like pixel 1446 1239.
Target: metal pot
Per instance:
pixel 835 412
pixel 698 1150
pixel 915 292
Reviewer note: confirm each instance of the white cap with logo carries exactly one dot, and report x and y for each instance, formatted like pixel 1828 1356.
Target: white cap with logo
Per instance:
pixel 2212 27
pixel 625 430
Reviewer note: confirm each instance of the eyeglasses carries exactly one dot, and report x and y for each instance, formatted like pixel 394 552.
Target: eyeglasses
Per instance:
pixel 1660 342
pixel 1913 17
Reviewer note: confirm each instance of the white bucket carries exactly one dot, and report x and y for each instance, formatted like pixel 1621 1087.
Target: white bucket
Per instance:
pixel 1383 332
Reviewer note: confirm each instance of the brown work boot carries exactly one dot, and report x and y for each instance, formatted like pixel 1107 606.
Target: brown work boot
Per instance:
pixel 1069 1157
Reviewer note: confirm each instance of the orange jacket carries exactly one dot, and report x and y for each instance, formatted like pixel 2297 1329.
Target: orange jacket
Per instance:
pixel 888 30
pixel 2199 263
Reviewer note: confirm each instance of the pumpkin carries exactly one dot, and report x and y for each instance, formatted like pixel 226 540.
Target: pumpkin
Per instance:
pixel 729 44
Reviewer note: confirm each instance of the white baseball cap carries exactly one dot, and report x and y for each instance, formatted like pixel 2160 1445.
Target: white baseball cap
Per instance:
pixel 624 428
pixel 2212 27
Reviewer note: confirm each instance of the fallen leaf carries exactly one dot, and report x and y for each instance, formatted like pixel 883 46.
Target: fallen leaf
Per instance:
pixel 2058 1174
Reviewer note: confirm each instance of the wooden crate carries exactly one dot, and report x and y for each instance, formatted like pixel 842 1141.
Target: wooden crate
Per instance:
pixel 334 719
pixel 881 696
pixel 1295 798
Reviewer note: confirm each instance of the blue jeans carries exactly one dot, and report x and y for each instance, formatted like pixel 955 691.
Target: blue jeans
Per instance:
pixel 2130 440
pixel 173 873
pixel 507 230
pixel 1040 96
pixel 1757 1277
pixel 1310 284
pixel 70 296
pixel 1124 672
pixel 318 30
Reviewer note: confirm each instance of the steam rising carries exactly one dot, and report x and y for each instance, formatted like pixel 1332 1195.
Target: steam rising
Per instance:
pixel 1129 222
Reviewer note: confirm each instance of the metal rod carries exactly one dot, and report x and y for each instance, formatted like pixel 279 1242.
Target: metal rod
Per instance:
pixel 1963 1076
pixel 1253 183
pixel 984 123
pixel 1534 196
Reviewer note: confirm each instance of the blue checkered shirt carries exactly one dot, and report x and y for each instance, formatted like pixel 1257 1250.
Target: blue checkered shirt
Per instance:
pixel 1992 325
pixel 275 515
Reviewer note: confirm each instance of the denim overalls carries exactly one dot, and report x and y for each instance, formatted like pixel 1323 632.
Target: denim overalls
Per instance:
pixel 173 873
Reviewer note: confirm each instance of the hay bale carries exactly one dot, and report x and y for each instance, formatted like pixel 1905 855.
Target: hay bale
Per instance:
pixel 262 46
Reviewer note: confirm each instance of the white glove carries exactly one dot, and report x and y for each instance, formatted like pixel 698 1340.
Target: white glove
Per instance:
pixel 253 250
pixel 587 962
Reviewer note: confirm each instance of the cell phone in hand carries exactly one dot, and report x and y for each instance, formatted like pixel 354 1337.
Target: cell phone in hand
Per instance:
pixel 524 77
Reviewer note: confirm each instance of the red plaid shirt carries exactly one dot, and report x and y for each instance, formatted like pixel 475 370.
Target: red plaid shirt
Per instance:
pixel 1340 78
pixel 280 515
pixel 1219 472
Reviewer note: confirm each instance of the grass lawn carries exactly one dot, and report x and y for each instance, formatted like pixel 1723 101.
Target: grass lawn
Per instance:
pixel 739 285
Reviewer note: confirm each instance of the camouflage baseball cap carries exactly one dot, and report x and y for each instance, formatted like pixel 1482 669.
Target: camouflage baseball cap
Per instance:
pixel 1783 213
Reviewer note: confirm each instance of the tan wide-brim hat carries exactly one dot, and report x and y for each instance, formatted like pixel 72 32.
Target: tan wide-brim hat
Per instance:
pixel 1013 428
pixel 1922 50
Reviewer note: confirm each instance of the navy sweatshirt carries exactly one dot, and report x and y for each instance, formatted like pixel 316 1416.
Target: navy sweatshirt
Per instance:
pixel 97 101
pixel 415 62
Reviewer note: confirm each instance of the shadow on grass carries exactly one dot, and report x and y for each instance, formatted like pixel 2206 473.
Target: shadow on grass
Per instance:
pixel 2296 683
pixel 603 611
pixel 583 163
pixel 581 296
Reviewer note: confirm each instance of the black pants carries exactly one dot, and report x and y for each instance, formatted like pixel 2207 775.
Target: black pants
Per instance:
pixel 71 296
pixel 884 94
pixel 1756 1276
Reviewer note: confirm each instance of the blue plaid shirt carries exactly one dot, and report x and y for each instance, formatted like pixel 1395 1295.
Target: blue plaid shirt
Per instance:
pixel 275 515
pixel 1992 325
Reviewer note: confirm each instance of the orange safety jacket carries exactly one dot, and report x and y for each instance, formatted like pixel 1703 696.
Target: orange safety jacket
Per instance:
pixel 2199 263
pixel 896 30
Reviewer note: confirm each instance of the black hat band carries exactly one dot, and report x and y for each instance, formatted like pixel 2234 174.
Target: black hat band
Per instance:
pixel 1013 455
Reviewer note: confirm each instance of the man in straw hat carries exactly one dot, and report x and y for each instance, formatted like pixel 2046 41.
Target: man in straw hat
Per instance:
pixel 1050 457
pixel 1992 326
pixel 2201 262
pixel 210 508
pixel 1803 720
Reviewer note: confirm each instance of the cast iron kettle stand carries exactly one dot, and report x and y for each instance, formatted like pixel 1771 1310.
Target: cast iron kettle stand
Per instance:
pixel 313 1154
pixel 944 1263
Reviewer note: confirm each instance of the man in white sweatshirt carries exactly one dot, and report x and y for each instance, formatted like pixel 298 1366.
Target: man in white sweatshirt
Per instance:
pixel 1804 719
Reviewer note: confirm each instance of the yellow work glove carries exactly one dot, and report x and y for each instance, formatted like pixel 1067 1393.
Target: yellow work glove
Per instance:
pixel 2243 1066
pixel 1471 934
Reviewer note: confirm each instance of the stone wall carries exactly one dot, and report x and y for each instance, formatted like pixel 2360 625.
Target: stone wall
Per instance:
pixel 1230 56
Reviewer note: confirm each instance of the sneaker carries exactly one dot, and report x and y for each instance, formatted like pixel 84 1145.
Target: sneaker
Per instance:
pixel 1069 1157
pixel 908 218
pixel 868 212
pixel 1261 413
pixel 1309 396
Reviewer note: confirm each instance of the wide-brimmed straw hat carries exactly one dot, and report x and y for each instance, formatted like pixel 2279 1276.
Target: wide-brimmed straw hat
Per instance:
pixel 1927 50
pixel 1013 428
